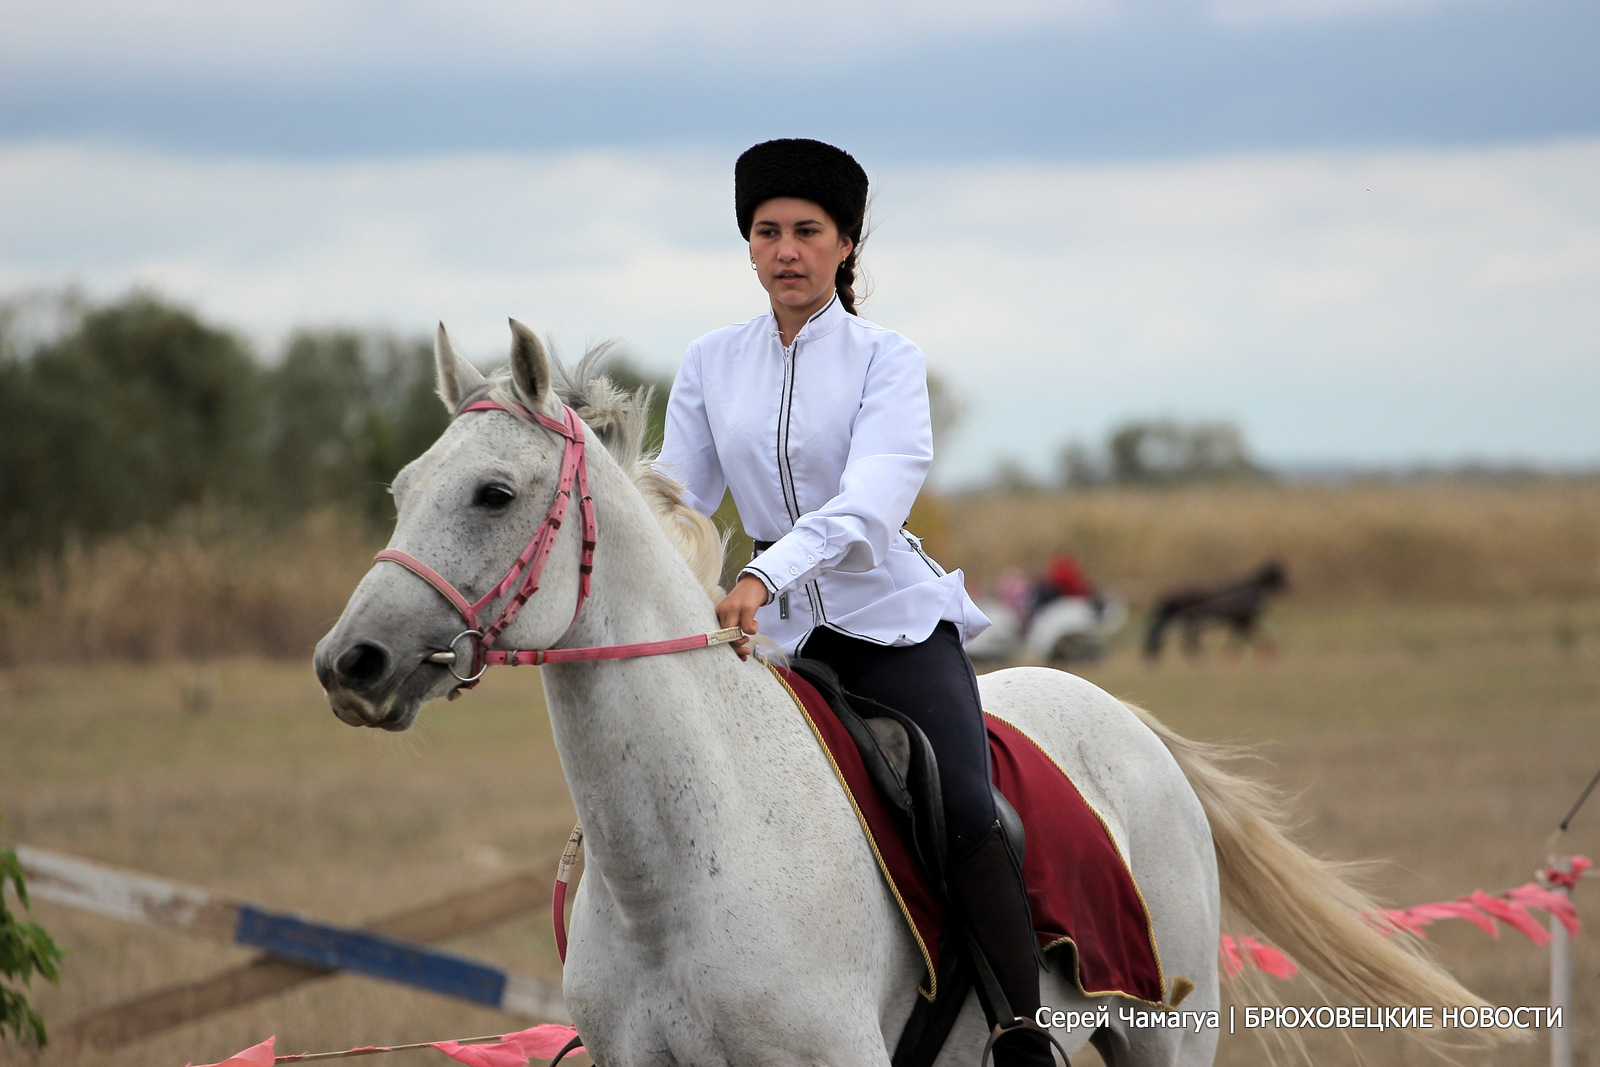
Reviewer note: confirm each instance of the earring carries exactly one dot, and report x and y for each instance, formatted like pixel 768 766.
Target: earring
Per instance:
pixel 752 264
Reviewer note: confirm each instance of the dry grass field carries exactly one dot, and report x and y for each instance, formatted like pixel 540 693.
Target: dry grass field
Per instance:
pixel 218 584
pixel 1445 540
pixel 266 796
pixel 1434 706
pixel 1443 741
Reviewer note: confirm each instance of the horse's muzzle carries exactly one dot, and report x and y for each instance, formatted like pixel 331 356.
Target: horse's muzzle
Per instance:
pixel 363 685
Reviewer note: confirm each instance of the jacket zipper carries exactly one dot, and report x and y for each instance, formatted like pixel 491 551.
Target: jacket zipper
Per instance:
pixel 791 501
pixel 785 475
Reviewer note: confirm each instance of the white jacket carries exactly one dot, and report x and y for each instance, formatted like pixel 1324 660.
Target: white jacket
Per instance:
pixel 825 446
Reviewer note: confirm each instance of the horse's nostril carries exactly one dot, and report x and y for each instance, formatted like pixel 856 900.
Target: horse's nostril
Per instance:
pixel 361 665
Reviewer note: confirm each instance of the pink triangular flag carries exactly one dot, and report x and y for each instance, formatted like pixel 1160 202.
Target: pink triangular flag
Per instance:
pixel 255 1056
pixel 1512 914
pixel 542 1042
pixel 1230 956
pixel 1456 909
pixel 1268 958
pixel 512 1050
pixel 1407 919
pixel 496 1054
pixel 1556 904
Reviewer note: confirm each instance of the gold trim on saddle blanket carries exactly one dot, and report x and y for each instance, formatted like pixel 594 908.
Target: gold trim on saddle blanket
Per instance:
pixel 1150 928
pixel 932 991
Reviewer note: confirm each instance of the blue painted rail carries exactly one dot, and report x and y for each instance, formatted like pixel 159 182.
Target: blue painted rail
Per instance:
pixel 134 896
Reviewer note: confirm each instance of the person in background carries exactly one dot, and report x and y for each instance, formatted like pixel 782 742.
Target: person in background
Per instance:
pixel 1063 577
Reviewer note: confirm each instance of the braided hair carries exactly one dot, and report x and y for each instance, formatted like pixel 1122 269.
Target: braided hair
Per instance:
pixel 844 279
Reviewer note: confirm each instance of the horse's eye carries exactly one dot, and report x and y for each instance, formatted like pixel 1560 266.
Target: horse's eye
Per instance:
pixel 493 496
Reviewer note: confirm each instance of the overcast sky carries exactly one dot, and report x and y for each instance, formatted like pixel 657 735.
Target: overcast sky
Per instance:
pixel 1368 230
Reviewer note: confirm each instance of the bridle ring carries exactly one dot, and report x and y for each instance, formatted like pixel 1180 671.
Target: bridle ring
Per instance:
pixel 471 651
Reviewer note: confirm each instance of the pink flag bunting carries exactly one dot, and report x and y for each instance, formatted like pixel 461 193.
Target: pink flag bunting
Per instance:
pixel 1268 958
pixel 254 1056
pixel 1576 865
pixel 512 1050
pixel 1454 909
pixel 541 1042
pixel 1479 908
pixel 1512 914
pixel 1406 919
pixel 495 1055
pixel 1556 904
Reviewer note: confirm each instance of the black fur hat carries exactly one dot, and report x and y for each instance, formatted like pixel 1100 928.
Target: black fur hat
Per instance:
pixel 800 167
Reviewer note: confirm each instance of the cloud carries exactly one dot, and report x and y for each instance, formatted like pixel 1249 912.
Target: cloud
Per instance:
pixel 1069 79
pixel 1256 12
pixel 1366 306
pixel 587 244
pixel 302 38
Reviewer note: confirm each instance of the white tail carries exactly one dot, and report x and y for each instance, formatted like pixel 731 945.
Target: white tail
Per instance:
pixel 1304 905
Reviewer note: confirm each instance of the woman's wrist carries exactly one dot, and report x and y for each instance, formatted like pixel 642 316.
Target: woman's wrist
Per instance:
pixel 752 574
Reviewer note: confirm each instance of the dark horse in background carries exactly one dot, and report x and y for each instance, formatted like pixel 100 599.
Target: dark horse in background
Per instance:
pixel 1237 605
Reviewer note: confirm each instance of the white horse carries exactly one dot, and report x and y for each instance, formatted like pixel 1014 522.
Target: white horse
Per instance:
pixel 731 911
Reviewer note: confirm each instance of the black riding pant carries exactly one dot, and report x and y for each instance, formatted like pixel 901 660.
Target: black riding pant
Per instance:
pixel 934 685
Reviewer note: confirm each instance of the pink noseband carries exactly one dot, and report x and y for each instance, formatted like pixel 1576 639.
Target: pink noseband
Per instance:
pixel 529 565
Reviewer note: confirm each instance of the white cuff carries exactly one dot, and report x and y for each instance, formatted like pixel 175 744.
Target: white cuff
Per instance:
pixel 791 561
pixel 772 590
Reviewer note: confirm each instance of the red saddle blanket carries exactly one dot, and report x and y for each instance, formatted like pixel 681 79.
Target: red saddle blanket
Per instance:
pixel 1079 885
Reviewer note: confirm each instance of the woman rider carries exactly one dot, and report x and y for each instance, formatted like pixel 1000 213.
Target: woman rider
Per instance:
pixel 818 422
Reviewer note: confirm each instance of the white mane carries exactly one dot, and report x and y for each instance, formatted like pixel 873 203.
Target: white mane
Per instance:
pixel 619 419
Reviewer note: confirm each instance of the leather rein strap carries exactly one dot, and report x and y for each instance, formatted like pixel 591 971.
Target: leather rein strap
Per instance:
pixel 529 567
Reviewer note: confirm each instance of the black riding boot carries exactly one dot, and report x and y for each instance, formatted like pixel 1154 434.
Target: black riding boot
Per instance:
pixel 986 884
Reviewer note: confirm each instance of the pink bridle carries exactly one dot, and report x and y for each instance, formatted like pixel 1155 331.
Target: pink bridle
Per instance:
pixel 529 566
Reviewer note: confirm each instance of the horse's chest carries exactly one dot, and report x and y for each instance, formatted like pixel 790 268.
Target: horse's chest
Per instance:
pixel 687 1010
pixel 729 977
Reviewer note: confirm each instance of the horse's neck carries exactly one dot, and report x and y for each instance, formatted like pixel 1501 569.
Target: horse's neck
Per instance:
pixel 652 747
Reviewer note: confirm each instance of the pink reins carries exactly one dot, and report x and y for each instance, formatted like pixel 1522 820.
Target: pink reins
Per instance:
pixel 529 566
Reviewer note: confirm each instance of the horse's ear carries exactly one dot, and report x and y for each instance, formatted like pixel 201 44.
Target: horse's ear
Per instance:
pixel 458 379
pixel 530 367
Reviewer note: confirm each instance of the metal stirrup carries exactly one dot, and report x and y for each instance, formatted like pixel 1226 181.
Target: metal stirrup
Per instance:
pixel 989 985
pixel 1019 1023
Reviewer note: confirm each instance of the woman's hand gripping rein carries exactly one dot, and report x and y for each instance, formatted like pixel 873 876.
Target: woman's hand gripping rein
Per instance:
pixel 738 608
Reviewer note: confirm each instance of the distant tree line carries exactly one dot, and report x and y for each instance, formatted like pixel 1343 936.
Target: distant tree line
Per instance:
pixel 1160 452
pixel 137 409
pixel 126 413
pixel 1143 453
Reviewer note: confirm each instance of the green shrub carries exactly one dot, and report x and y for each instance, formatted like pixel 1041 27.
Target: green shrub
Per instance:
pixel 25 950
